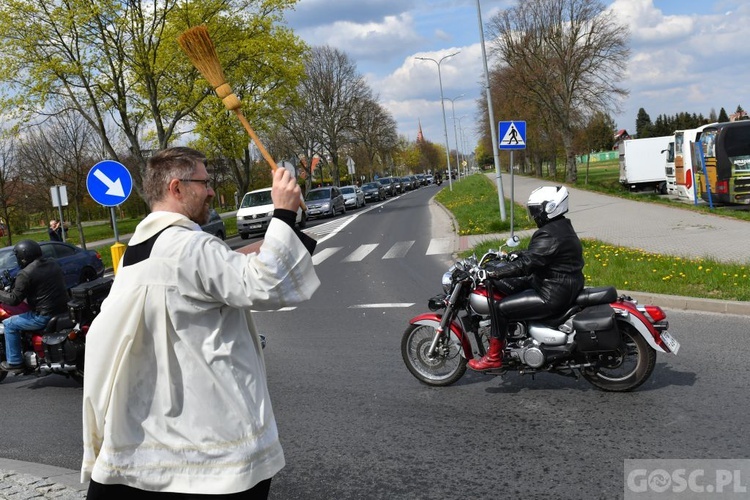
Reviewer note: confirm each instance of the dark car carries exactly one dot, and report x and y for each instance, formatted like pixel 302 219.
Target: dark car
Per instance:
pixel 324 202
pixel 374 191
pixel 78 265
pixel 389 185
pixel 215 225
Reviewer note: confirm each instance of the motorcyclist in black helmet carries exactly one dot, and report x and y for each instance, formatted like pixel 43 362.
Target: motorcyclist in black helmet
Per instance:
pixel 542 280
pixel 41 283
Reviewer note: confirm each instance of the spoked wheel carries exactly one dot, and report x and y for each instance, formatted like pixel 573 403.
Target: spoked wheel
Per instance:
pixel 447 366
pixel 627 368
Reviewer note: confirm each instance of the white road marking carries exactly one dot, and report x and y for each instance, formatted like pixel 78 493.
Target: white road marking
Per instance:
pixel 319 257
pixel 440 246
pixel 398 250
pixel 360 253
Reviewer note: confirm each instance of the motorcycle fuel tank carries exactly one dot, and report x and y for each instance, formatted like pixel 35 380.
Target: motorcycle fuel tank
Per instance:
pixel 478 301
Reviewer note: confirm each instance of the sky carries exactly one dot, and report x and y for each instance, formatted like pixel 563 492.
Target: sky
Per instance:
pixel 686 55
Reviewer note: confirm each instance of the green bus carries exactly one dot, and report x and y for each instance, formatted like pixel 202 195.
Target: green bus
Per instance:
pixel 726 151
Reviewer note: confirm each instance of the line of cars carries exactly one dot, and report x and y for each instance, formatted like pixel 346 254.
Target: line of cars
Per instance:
pixel 256 208
pixel 397 185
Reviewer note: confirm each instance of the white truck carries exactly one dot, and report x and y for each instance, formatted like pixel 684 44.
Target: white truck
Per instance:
pixel 642 163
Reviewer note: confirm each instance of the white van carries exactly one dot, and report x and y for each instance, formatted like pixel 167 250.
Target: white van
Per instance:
pixel 255 212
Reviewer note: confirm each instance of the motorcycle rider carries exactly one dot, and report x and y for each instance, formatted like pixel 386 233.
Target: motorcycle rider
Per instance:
pixel 42 284
pixel 542 280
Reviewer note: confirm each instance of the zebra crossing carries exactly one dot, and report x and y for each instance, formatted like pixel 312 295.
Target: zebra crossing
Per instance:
pixel 399 250
pixel 438 246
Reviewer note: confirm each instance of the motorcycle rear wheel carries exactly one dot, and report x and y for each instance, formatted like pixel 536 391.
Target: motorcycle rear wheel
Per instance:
pixel 629 369
pixel 445 368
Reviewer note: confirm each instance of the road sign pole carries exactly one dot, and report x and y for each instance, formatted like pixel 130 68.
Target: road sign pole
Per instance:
pixel 59 210
pixel 512 136
pixel 109 183
pixel 512 195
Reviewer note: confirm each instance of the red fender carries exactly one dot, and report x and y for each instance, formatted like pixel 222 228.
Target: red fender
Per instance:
pixel 434 320
pixel 650 334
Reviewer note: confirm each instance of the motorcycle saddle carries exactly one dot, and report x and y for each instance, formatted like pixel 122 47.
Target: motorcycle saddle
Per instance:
pixel 596 295
pixel 59 322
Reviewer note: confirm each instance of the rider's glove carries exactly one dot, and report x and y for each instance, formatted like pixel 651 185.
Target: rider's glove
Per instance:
pixel 460 275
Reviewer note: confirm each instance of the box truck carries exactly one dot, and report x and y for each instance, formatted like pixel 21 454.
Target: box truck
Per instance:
pixel 643 162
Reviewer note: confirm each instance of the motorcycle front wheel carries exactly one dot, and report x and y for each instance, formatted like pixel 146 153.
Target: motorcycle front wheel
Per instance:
pixel 444 368
pixel 626 369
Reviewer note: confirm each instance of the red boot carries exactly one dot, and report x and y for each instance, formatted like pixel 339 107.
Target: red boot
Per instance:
pixel 492 360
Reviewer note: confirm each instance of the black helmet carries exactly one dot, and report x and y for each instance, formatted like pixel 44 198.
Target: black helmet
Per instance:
pixel 27 251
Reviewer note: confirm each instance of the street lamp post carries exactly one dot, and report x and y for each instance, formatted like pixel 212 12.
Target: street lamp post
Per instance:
pixel 455 135
pixel 442 105
pixel 491 116
pixel 464 146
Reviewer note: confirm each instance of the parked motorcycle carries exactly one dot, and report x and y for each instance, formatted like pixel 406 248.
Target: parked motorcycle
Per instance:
pixel 609 340
pixel 60 347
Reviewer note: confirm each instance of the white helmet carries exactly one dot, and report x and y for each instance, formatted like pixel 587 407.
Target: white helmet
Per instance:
pixel 546 203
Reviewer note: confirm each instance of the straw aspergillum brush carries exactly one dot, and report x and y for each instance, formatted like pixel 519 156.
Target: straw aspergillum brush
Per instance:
pixel 200 49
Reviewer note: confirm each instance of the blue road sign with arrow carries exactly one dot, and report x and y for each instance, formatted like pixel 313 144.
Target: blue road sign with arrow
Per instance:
pixel 109 183
pixel 512 135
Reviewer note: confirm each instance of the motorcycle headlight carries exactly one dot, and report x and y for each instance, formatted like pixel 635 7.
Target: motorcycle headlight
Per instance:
pixel 447 281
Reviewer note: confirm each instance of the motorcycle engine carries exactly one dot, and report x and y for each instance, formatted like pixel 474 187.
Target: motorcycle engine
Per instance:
pixel 529 353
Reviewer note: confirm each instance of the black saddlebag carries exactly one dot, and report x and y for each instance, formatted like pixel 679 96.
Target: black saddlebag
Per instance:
pixel 59 349
pixel 86 299
pixel 596 329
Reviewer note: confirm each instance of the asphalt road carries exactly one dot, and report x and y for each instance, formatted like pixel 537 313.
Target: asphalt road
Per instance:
pixel 356 425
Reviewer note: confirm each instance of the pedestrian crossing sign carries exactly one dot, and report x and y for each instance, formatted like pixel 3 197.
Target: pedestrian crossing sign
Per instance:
pixel 512 135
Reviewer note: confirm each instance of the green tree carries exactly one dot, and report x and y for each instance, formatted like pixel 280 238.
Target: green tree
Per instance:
pixel 723 116
pixel 568 56
pixel 600 132
pixel 374 135
pixel 118 65
pixel 643 125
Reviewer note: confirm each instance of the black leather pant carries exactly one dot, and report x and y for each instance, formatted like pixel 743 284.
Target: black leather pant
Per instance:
pixel 523 302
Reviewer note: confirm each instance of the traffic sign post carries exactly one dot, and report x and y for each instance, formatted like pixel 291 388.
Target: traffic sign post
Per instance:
pixel 512 136
pixel 60 199
pixel 109 183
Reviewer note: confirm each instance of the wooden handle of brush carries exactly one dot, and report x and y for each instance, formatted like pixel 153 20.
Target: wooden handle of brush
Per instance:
pixel 259 145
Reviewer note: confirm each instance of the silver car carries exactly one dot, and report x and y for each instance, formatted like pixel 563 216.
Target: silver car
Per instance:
pixel 353 196
pixel 324 202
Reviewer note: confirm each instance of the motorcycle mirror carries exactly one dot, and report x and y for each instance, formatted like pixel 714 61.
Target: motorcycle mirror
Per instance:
pixel 513 241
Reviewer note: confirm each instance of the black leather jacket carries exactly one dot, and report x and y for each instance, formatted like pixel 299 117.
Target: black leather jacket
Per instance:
pixel 553 261
pixel 42 284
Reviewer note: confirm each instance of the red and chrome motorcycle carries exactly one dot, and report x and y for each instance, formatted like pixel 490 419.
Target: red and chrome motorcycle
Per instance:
pixel 608 339
pixel 60 347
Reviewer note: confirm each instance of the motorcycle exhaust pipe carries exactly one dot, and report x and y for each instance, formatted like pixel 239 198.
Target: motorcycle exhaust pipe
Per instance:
pixel 57 368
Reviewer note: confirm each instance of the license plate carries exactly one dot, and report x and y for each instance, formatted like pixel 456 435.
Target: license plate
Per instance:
pixel 255 226
pixel 671 343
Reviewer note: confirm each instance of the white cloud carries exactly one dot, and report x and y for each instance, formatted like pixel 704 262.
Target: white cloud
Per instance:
pixel 367 41
pixel 686 56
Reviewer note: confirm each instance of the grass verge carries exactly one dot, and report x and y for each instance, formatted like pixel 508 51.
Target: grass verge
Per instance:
pixel 625 268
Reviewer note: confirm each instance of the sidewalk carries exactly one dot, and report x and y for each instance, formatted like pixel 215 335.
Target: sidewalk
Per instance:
pixel 30 481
